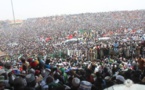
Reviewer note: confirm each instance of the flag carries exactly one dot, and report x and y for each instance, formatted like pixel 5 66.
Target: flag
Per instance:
pixel 1 67
pixel 133 31
pixel 81 31
pixel 47 39
pixel 107 34
pixel 70 36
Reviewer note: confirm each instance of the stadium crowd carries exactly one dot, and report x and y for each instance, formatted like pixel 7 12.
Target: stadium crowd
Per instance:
pixel 100 64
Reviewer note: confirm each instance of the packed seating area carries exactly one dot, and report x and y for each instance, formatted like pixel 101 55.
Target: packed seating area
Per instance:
pixel 90 51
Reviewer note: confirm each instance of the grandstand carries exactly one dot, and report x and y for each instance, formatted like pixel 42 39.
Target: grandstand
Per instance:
pixel 103 20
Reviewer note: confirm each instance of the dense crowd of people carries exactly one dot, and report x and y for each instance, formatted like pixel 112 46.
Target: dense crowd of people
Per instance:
pixel 87 64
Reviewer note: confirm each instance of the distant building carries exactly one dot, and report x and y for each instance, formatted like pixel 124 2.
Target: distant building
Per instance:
pixel 17 22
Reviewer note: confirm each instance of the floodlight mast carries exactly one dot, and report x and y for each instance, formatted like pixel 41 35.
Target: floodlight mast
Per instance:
pixel 13 11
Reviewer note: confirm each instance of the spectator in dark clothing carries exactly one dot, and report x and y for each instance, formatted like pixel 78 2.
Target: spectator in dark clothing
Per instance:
pixel 108 82
pixel 31 82
pixel 19 83
pixel 99 81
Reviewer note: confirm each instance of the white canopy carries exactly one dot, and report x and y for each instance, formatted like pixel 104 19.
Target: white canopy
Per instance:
pixel 104 38
pixel 72 40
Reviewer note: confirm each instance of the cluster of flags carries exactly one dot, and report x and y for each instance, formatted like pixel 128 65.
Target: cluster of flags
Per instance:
pixel 107 33
pixel 43 39
pixel 90 34
pixel 129 30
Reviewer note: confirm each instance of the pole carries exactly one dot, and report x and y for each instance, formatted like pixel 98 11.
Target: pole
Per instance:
pixel 77 46
pixel 87 49
pixel 13 11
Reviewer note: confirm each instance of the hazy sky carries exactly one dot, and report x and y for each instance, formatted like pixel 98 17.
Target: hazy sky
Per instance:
pixel 38 8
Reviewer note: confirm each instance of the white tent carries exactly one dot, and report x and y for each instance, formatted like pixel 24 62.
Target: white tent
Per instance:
pixel 72 40
pixel 104 38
